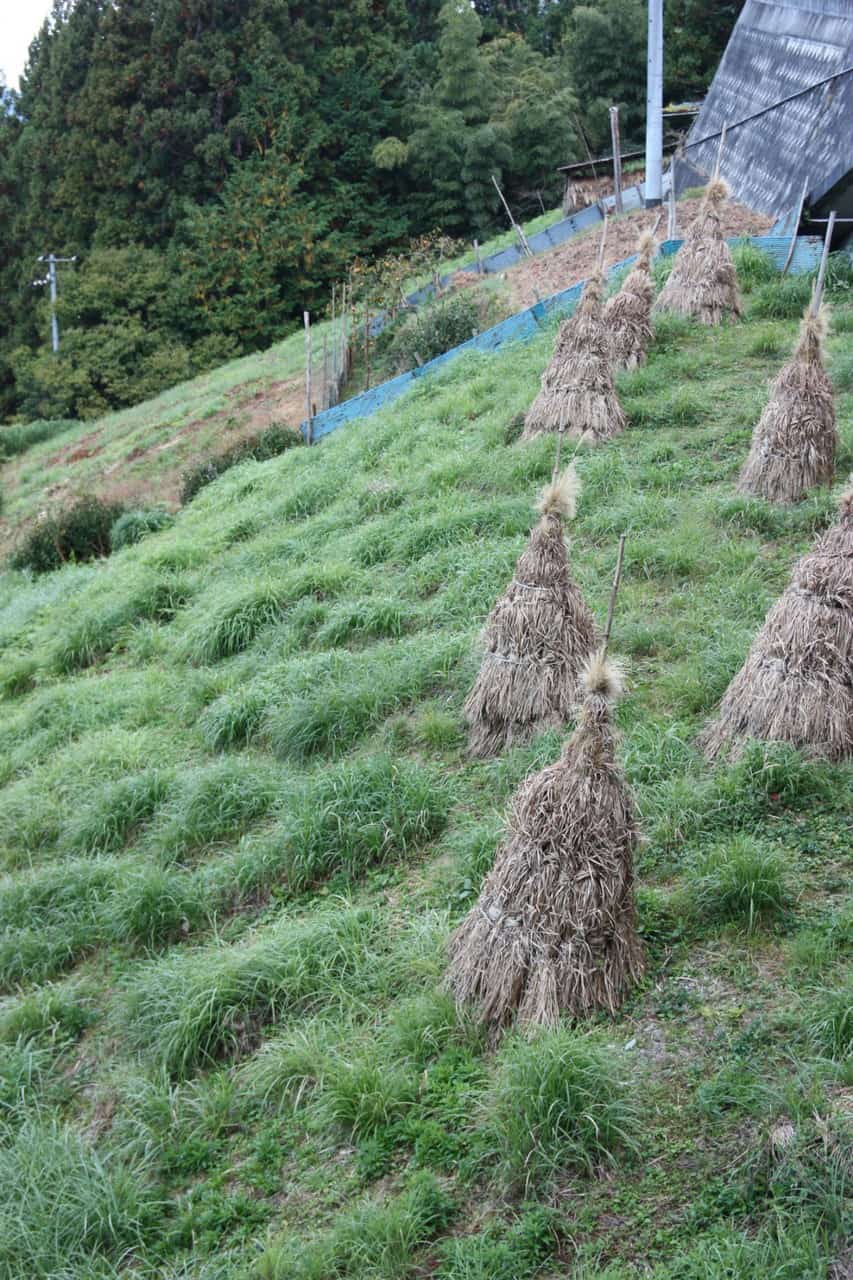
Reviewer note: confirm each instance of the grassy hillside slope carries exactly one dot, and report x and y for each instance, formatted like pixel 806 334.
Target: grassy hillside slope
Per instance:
pixel 138 456
pixel 237 825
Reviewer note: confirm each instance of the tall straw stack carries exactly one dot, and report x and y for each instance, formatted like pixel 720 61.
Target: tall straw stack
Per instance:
pixel 577 395
pixel 797 682
pixel 794 442
pixel 554 928
pixel 703 280
pixel 627 315
pixel 536 637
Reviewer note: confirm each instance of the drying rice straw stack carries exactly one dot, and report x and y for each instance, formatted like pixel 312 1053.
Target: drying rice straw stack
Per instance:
pixel 554 928
pixel 794 442
pixel 536 638
pixel 797 682
pixel 577 394
pixel 703 280
pixel 627 315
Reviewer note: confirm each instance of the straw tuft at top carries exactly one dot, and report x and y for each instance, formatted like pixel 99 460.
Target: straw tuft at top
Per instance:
pixel 604 677
pixel 561 495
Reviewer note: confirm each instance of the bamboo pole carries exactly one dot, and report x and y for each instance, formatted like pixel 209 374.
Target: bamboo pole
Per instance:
pixel 613 593
pixel 796 228
pixel 515 226
pixel 818 289
pixel 720 148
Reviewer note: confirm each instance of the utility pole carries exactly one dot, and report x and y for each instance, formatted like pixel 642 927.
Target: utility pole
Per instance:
pixel 50 279
pixel 654 105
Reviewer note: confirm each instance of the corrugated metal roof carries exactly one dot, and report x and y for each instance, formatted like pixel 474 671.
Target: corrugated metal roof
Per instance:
pixel 781 48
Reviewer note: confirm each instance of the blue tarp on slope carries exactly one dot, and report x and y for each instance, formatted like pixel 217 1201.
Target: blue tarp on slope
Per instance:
pixel 526 323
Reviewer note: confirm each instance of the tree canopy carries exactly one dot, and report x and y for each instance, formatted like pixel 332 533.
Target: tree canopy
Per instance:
pixel 216 164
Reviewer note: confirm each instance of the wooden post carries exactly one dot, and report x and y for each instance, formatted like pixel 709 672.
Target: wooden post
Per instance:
pixel 307 321
pixel 617 158
pixel 334 362
pixel 326 398
pixel 366 347
pixel 818 289
pixel 793 243
pixel 670 218
pixel 525 247
pixel 478 258
pixel 602 243
pixel 613 593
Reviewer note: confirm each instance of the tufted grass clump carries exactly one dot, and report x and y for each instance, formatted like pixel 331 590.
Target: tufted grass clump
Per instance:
pixel 26 1081
pixel 829 1021
pixel 233 624
pixel 49 918
pixel 65 1209
pixel 156 599
pixel 367 620
pixel 377 1240
pixel 741 881
pixel 363 1093
pixel 50 1016
pixel 517 1252
pixel 559 1101
pixel 359 813
pixel 187 1010
pixel 378 681
pixel 782 299
pixel 134 525
pixel 234 718
pixel 116 812
pixel 214 801
pixel 754 267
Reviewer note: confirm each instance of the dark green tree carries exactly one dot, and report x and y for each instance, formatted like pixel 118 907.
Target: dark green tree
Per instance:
pixel 605 44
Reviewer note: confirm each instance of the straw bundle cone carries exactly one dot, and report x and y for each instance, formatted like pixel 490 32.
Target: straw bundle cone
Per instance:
pixel 536 638
pixel 554 928
pixel 703 280
pixel 577 394
pixel 795 440
pixel 627 315
pixel 797 682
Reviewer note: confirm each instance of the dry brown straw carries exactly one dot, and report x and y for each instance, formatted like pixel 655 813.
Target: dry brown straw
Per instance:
pixel 796 684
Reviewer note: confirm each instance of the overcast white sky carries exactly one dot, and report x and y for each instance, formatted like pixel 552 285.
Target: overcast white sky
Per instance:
pixel 19 22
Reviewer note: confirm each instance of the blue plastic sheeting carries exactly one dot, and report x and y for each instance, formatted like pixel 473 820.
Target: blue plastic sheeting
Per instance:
pixel 524 325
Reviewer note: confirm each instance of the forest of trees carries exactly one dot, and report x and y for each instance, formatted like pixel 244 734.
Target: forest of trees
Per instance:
pixel 216 164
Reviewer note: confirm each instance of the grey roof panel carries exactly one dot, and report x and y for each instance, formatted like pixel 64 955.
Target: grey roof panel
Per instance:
pixel 780 48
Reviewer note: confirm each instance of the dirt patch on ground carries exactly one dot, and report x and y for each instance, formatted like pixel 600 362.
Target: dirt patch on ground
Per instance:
pixel 550 272
pixel 130 481
pixel 85 447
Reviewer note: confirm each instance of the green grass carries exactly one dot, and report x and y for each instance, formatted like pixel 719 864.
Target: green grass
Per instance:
pixel 559 1101
pixel 742 882
pixel 66 1209
pixel 238 824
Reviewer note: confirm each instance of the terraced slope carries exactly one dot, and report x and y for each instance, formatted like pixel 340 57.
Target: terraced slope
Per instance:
pixel 237 825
